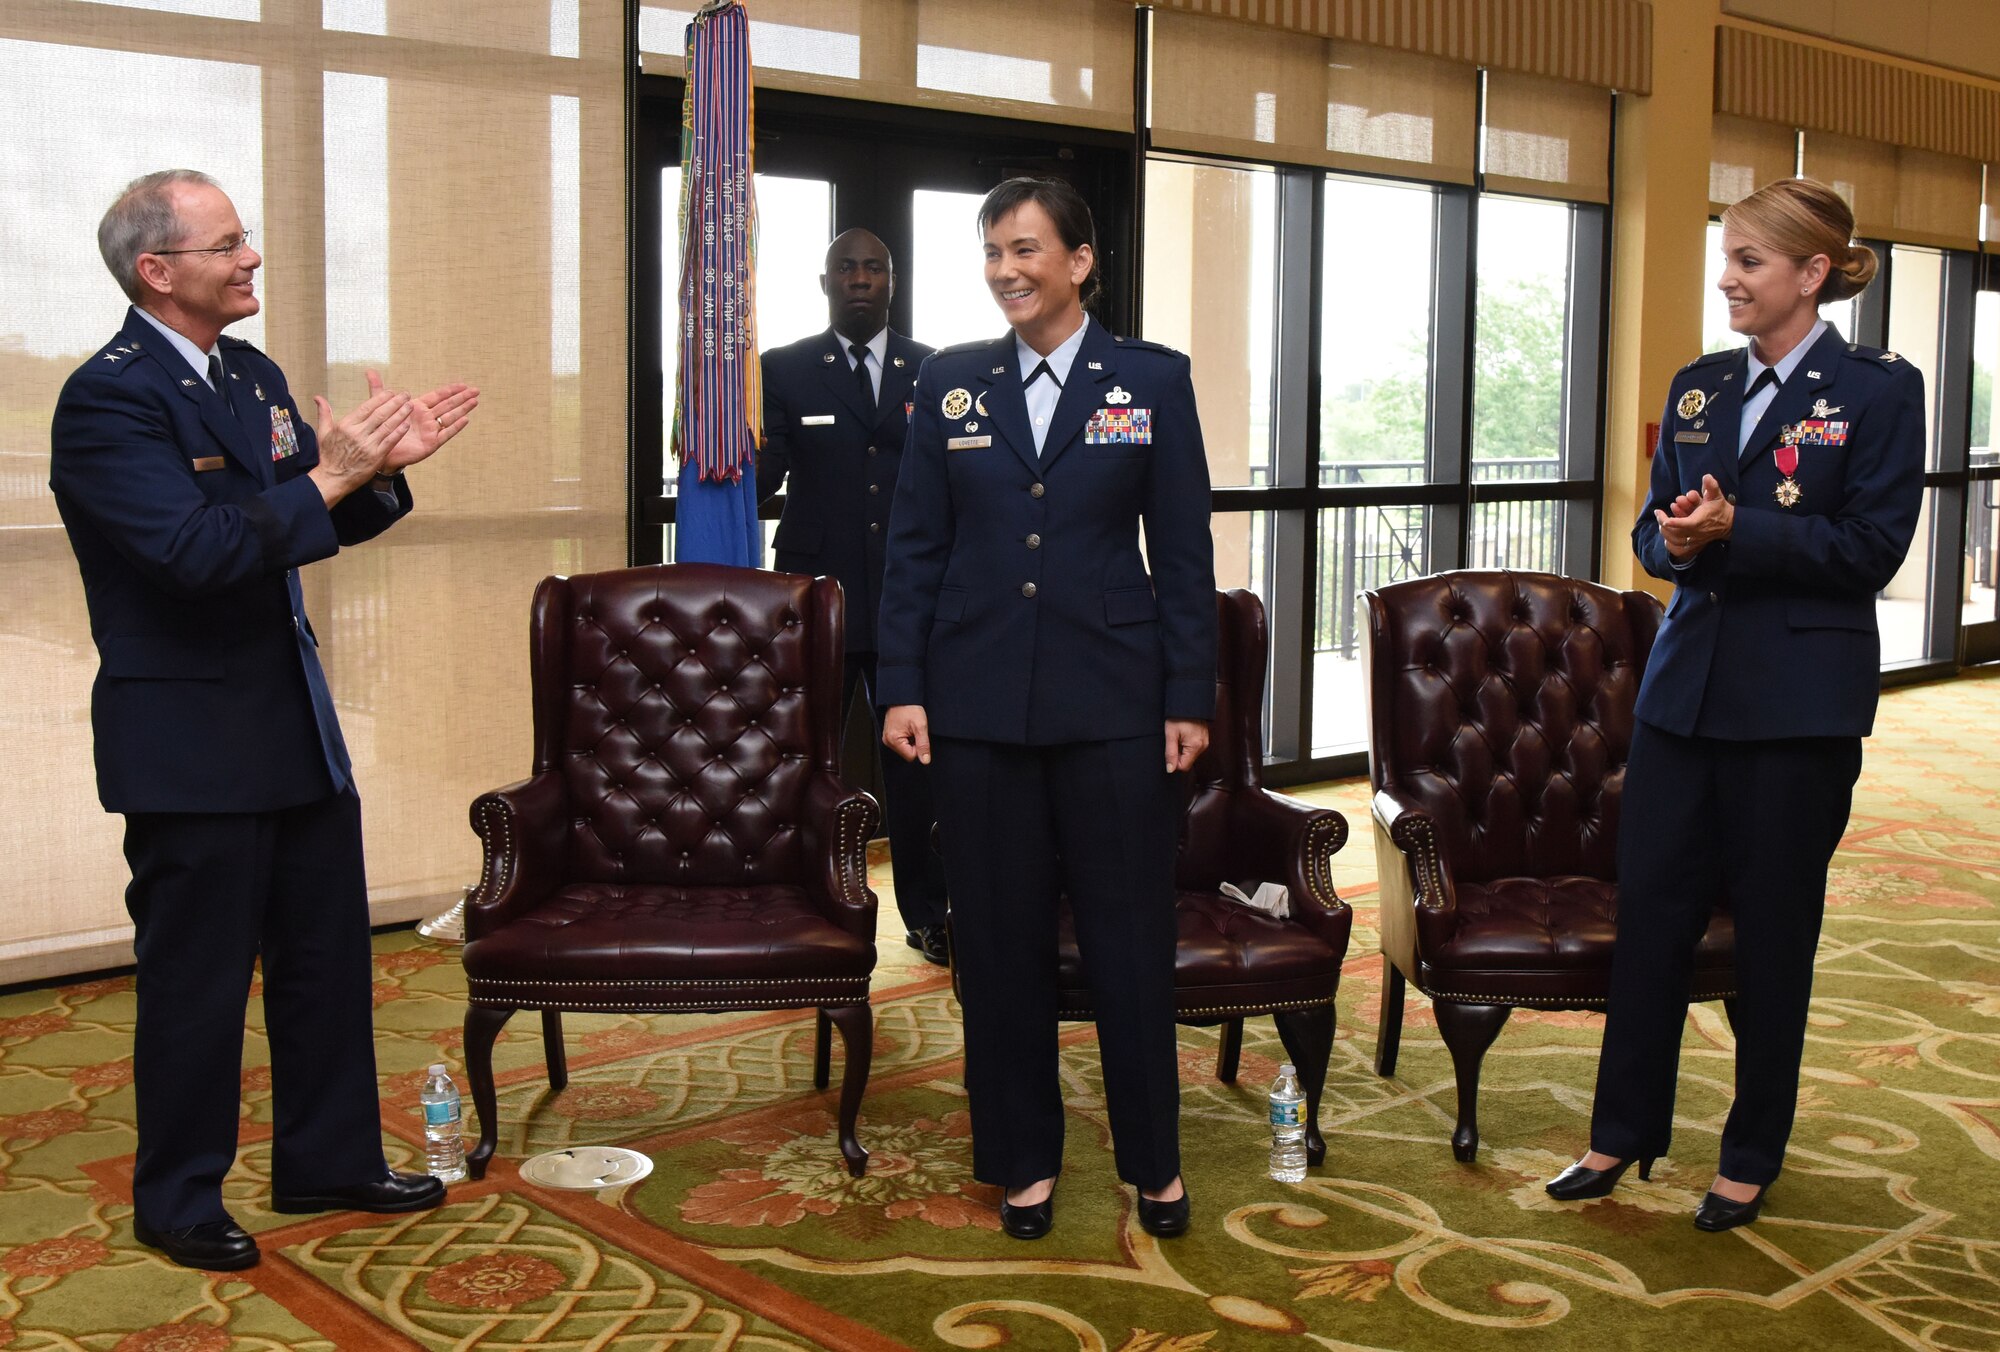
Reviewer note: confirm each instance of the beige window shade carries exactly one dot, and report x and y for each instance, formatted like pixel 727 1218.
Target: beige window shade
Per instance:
pixel 1897 193
pixel 1240 89
pixel 1745 155
pixel 1547 138
pixel 381 250
pixel 1068 63
pixel 1607 43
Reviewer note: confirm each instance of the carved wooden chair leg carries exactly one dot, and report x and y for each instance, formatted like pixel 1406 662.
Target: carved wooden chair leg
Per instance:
pixel 857 1044
pixel 552 1050
pixel 482 1026
pixel 1468 1031
pixel 822 1049
pixel 1230 1053
pixel 1308 1038
pixel 1389 1033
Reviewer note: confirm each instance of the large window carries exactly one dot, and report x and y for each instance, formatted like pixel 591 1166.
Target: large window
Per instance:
pixel 1395 378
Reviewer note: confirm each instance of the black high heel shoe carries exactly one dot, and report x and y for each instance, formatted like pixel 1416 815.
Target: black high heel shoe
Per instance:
pixel 1577 1184
pixel 1717 1213
pixel 1031 1221
pixel 1165 1220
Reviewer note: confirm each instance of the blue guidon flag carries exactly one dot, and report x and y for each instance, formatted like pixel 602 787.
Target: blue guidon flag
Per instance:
pixel 718 399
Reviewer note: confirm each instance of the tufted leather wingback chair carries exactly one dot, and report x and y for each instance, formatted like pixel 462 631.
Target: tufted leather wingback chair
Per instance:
pixel 1232 961
pixel 1499 722
pixel 685 841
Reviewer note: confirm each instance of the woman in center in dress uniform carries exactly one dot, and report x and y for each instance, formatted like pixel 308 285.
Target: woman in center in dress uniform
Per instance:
pixel 1058 692
pixel 1785 493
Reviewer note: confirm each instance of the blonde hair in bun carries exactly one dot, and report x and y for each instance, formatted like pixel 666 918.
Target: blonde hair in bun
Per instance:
pixel 1800 217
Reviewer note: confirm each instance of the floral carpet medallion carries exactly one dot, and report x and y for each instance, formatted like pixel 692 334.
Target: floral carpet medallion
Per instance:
pixel 749 1235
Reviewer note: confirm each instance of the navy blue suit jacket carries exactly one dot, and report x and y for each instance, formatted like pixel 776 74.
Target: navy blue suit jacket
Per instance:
pixel 1016 605
pixel 842 464
pixel 1771 633
pixel 188 524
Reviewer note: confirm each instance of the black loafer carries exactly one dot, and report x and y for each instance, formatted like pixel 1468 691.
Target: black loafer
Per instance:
pixel 385 1196
pixel 213 1246
pixel 1028 1222
pixel 1717 1212
pixel 929 940
pixel 1165 1220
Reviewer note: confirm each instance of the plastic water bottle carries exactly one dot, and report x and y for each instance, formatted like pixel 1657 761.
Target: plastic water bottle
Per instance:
pixel 1288 1127
pixel 444 1147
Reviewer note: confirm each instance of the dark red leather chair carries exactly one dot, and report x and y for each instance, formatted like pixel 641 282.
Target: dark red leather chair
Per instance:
pixel 1233 962
pixel 1499 721
pixel 685 842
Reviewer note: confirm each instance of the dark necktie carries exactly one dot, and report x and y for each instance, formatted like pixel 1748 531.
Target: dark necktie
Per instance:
pixel 1767 376
pixel 1042 369
pixel 215 378
pixel 863 386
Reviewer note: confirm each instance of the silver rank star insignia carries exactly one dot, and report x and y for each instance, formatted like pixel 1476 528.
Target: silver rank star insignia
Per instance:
pixel 956 402
pixel 1691 404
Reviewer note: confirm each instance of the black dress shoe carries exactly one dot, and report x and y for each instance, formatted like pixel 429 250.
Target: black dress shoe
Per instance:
pixel 214 1246
pixel 929 940
pixel 1717 1212
pixel 1165 1220
pixel 1576 1183
pixel 385 1196
pixel 1028 1222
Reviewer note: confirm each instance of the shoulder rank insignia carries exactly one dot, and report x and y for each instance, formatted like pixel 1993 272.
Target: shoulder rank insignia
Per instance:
pixel 1691 404
pixel 1890 357
pixel 111 356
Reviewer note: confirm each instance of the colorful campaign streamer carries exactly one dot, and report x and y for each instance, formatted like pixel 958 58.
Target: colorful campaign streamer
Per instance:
pixel 718 400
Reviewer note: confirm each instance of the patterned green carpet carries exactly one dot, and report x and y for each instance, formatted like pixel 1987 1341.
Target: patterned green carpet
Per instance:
pixel 1883 1233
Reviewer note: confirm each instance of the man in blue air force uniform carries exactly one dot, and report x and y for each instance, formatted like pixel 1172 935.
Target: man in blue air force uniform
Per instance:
pixel 835 413
pixel 193 488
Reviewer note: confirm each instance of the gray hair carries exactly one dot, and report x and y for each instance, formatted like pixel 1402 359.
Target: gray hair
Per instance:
pixel 141 221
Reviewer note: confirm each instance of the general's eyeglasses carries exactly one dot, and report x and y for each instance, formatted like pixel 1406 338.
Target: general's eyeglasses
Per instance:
pixel 229 250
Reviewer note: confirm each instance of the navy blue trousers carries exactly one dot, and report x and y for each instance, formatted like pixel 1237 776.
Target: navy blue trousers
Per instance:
pixel 1703 819
pixel 914 866
pixel 210 894
pixel 1022 826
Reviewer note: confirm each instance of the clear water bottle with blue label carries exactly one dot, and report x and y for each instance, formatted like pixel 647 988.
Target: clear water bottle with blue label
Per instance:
pixel 444 1145
pixel 1288 1127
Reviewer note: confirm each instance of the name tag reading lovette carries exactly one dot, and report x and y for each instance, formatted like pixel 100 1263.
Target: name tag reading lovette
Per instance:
pixel 967 443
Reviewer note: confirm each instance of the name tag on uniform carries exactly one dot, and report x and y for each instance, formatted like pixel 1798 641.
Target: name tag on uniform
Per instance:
pixel 207 462
pixel 816 420
pixel 1698 438
pixel 967 443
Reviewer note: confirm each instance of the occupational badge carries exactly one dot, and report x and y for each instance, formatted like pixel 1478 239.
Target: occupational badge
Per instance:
pixel 1788 491
pixel 1821 409
pixel 1118 396
pixel 979 405
pixel 956 402
pixel 284 437
pixel 972 425
pixel 1691 404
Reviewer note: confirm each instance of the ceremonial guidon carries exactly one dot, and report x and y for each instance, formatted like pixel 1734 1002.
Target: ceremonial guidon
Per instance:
pixel 1771 632
pixel 1026 613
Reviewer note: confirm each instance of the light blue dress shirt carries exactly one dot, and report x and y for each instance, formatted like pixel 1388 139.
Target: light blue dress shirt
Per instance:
pixel 1043 394
pixel 1754 407
pixel 185 346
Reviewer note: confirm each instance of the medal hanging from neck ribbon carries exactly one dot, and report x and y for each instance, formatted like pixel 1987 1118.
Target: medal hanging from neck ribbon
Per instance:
pixel 1788 493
